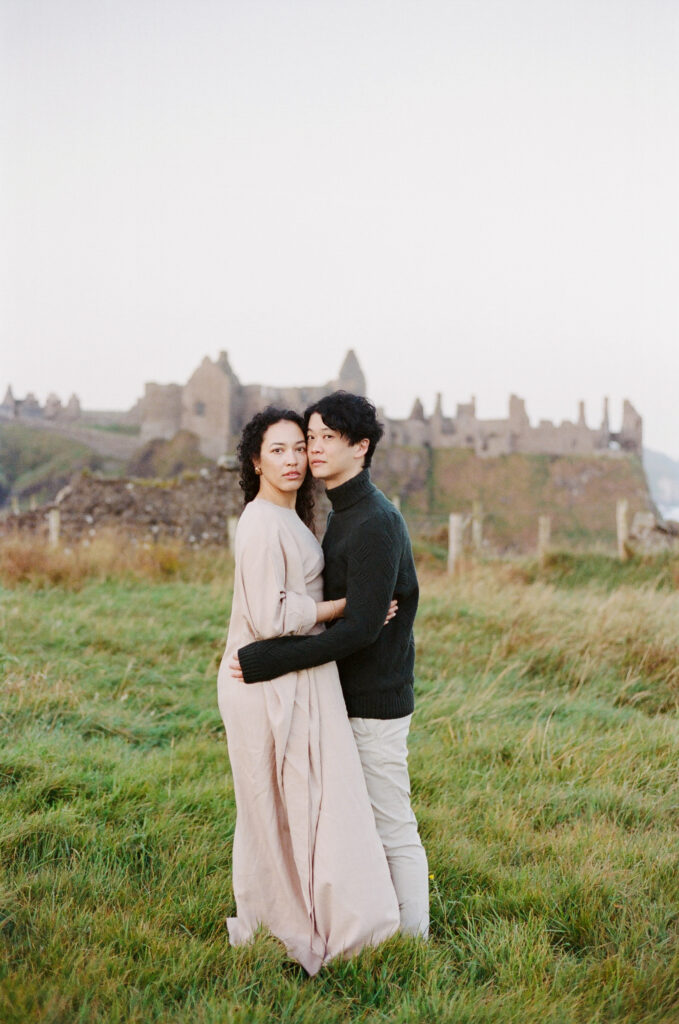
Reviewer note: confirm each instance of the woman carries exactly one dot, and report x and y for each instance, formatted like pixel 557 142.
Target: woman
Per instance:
pixel 307 860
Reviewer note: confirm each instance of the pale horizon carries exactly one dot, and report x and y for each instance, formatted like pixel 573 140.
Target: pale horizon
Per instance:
pixel 478 198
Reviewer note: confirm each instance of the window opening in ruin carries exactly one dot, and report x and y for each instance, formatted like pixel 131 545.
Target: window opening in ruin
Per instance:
pixel 199 408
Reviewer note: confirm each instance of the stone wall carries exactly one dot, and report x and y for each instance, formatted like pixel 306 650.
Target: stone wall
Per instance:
pixel 195 508
pixel 648 536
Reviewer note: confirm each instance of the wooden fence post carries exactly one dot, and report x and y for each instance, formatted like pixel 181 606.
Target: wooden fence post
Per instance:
pixel 231 524
pixel 15 505
pixel 455 531
pixel 396 502
pixel 54 522
pixel 544 534
pixel 622 527
pixel 477 527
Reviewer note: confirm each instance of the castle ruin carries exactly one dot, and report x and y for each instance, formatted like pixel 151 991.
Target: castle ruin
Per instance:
pixel 214 405
pixel 515 434
pixel 29 408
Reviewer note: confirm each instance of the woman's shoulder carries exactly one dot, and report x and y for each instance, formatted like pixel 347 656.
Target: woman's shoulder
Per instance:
pixel 261 515
pixel 255 514
pixel 258 508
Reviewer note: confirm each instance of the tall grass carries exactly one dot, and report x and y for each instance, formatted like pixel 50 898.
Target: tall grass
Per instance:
pixel 108 555
pixel 544 768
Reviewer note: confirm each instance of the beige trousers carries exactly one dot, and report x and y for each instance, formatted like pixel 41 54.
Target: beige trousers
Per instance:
pixel 383 750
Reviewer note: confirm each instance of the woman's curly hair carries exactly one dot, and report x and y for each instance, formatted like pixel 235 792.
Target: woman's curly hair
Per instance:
pixel 250 447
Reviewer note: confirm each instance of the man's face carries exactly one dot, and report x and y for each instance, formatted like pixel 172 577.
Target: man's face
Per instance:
pixel 331 457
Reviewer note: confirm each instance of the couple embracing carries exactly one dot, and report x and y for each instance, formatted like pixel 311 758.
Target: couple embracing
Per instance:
pixel 326 850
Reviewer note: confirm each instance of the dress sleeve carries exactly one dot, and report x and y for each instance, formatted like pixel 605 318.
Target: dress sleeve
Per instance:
pixel 271 608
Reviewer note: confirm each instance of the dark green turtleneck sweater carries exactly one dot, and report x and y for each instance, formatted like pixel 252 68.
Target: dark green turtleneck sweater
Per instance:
pixel 368 560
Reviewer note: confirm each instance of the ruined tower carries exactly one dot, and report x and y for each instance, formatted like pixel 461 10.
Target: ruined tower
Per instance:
pixel 351 375
pixel 208 406
pixel 160 410
pixel 630 436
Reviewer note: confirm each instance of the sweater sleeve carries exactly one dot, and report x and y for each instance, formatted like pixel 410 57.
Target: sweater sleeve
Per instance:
pixel 270 607
pixel 371 579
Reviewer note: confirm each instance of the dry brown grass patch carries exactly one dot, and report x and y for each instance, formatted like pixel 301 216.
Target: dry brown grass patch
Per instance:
pixel 109 555
pixel 38 690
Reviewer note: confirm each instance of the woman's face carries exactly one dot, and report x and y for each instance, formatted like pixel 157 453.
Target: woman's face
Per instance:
pixel 282 460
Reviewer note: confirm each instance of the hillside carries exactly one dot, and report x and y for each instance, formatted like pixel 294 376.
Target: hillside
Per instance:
pixel 578 492
pixel 37 463
pixel 167 458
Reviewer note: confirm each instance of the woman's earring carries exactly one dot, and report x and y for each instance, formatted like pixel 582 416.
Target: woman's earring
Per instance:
pixel 258 470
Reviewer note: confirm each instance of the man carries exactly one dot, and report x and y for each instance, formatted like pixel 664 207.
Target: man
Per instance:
pixel 368 559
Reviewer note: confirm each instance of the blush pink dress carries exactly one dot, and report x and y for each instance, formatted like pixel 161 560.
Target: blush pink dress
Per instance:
pixel 307 861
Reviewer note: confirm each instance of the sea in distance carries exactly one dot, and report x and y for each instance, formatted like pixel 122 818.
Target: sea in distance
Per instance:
pixel 669 512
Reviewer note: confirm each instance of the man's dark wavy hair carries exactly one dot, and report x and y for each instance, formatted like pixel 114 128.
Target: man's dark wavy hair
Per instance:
pixel 250 447
pixel 352 416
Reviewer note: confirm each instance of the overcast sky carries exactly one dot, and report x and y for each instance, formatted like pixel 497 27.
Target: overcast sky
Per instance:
pixel 478 196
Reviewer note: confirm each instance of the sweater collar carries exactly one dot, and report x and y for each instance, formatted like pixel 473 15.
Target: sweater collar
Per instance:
pixel 348 493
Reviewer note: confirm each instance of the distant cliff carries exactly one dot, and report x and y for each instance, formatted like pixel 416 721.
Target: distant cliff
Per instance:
pixel 663 479
pixel 579 492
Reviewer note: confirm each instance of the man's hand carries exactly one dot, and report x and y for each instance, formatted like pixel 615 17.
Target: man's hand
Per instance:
pixel 235 670
pixel 393 608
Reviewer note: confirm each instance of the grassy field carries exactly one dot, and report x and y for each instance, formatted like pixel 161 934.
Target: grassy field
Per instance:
pixel 544 761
